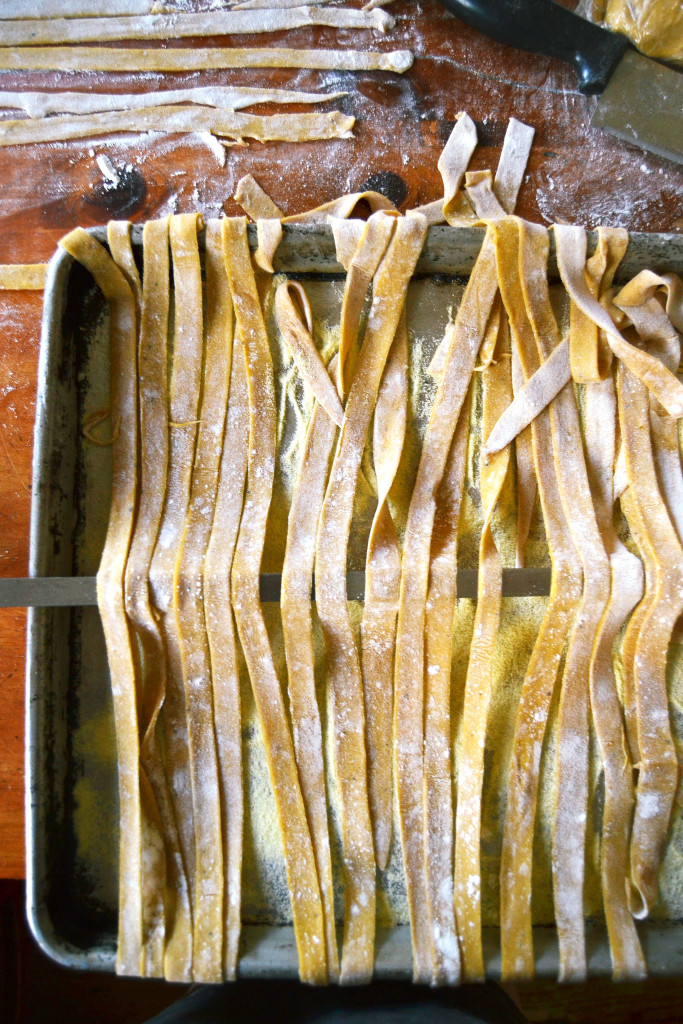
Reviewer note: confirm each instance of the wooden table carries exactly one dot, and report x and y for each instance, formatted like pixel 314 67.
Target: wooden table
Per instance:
pixel 576 175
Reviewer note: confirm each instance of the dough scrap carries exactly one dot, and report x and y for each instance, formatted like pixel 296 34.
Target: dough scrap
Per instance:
pixel 390 286
pixel 174 119
pixel 101 58
pixel 209 23
pixel 304 888
pixel 40 104
pixel 19 277
pixel 110 586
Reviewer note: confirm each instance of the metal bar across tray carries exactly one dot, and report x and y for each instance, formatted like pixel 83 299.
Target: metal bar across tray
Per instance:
pixel 79 591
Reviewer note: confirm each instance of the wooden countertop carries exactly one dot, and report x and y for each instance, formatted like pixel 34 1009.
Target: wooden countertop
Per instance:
pixel 576 175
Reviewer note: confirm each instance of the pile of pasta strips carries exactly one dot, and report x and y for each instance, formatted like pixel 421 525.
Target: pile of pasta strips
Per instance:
pixel 178 586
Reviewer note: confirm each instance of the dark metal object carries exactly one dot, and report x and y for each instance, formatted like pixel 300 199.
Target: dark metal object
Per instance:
pixel 71 802
pixel 79 591
pixel 642 100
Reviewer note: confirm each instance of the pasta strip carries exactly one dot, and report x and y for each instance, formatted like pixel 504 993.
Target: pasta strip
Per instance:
pixel 390 286
pixel 220 632
pixel 653 530
pixel 40 104
pixel 382 583
pixel 185 389
pixel 362 267
pixel 304 889
pixel 526 475
pixel 158 26
pixel 153 880
pixel 572 759
pixel 73 8
pixel 300 343
pixel 268 236
pixel 341 208
pixel 535 395
pixel 627 589
pixel 456 208
pixel 464 339
pixel 497 384
pixel 173 119
pixel 591 356
pixel 100 58
pixel 256 203
pixel 21 277
pixel 541 675
pixel 110 586
pixel 438 768
pixel 153 399
pixel 189 612
pixel 297 624
pixel 571 257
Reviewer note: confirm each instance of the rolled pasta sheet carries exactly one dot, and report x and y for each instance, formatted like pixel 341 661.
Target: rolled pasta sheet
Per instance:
pixel 36 32
pixel 174 119
pixel 40 104
pixel 101 58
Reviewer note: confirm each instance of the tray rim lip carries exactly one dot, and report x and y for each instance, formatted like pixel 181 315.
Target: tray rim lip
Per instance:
pixel 37 915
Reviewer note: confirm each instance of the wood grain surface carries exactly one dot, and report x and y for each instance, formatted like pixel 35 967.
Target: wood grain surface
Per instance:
pixel 576 174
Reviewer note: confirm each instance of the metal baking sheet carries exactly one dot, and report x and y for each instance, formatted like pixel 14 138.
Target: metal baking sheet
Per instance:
pixel 71 837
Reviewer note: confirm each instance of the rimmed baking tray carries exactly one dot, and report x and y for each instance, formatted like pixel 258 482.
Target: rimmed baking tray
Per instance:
pixel 71 800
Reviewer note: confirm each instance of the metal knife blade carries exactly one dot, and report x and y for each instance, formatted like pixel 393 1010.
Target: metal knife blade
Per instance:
pixel 643 104
pixel 642 100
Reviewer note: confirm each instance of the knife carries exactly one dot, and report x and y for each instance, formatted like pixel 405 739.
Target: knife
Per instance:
pixel 641 100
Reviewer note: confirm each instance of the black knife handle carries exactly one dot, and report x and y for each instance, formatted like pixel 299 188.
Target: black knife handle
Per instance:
pixel 541 26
